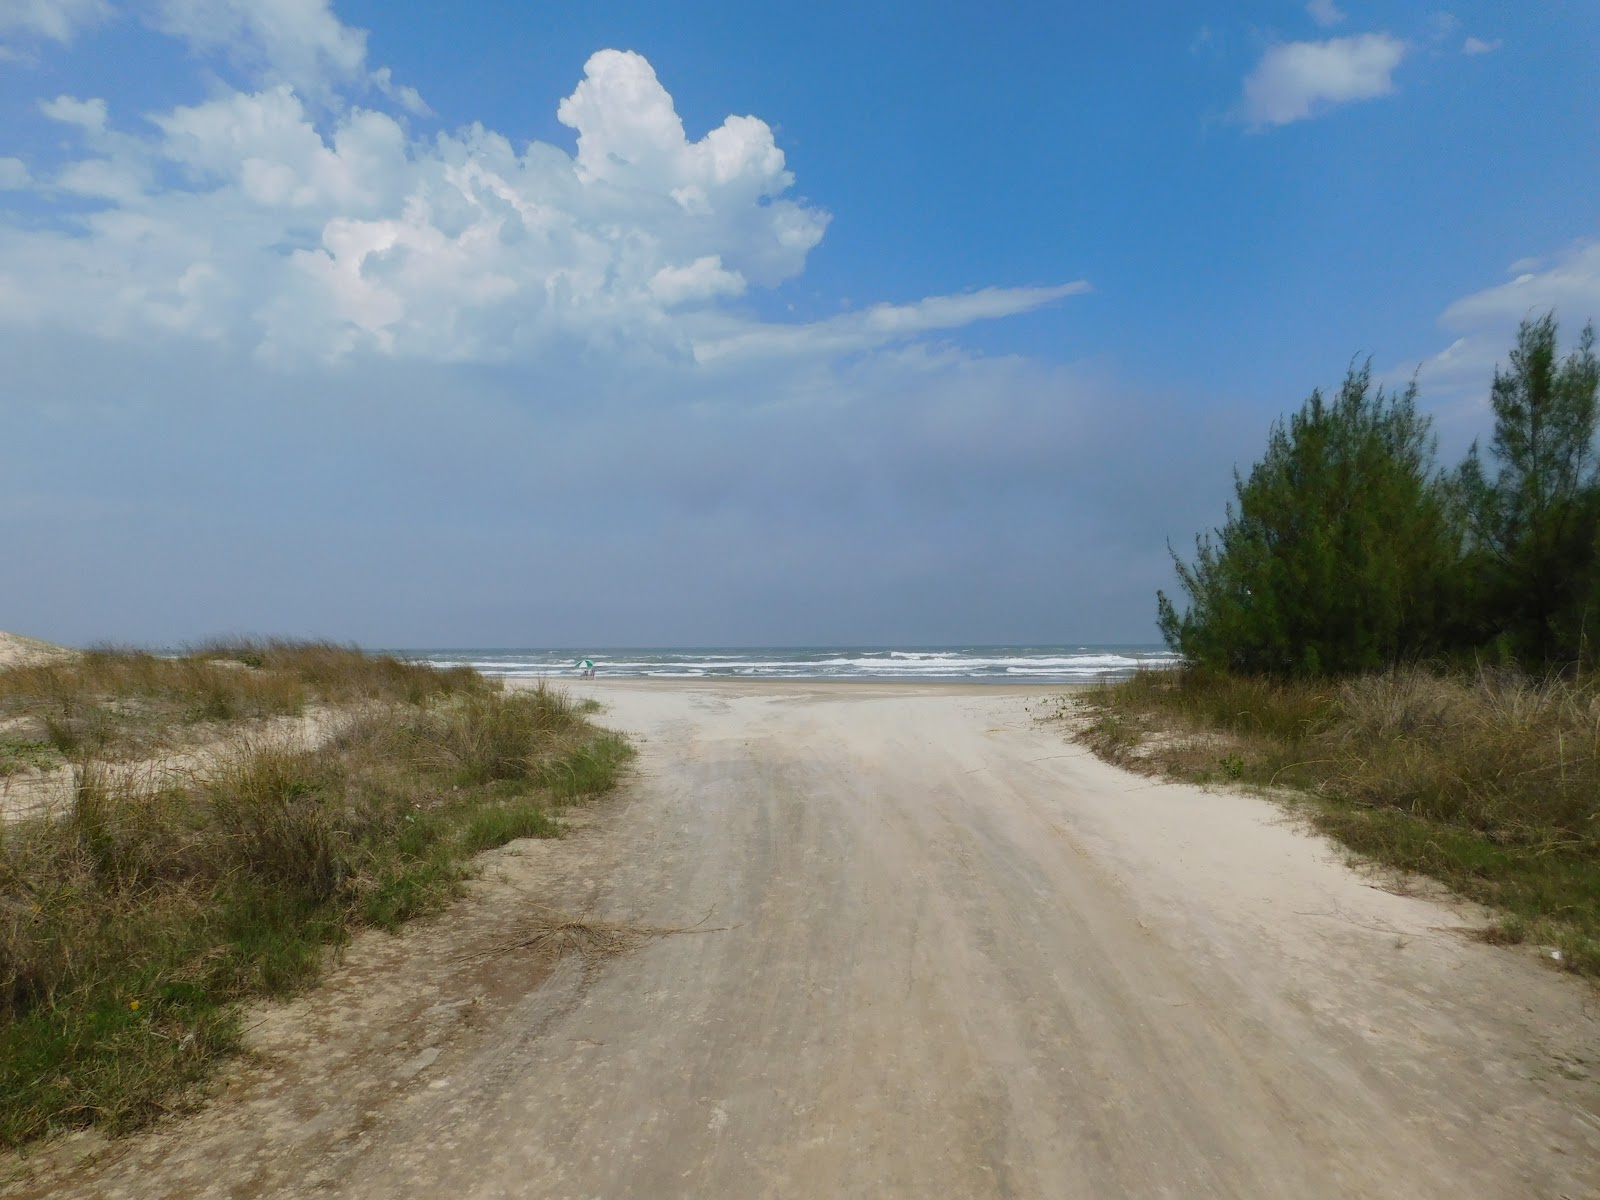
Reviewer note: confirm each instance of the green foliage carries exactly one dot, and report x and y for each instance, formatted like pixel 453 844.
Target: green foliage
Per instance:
pixel 1535 528
pixel 1337 554
pixel 490 827
pixel 583 772
pixel 27 754
pixel 1347 551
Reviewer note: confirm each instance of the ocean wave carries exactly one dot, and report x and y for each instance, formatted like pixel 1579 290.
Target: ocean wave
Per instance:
pixel 998 663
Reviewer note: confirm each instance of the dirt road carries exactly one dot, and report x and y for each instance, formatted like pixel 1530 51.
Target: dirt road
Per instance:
pixel 937 951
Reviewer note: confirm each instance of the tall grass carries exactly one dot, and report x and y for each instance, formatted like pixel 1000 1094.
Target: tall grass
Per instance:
pixel 132 924
pixel 1488 782
pixel 111 702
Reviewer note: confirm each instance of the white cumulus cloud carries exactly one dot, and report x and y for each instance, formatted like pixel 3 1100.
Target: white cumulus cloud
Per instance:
pixel 1296 80
pixel 57 20
pixel 290 220
pixel 703 279
pixel 243 219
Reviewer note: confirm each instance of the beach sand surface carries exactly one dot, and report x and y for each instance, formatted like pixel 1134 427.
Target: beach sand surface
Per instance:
pixel 928 948
pixel 19 651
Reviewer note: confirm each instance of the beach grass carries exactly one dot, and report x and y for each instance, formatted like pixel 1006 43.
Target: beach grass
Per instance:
pixel 1488 782
pixel 136 920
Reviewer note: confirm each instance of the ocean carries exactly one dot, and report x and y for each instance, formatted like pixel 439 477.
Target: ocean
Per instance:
pixel 994 664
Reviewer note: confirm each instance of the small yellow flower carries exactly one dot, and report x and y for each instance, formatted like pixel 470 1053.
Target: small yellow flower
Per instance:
pixel 133 1006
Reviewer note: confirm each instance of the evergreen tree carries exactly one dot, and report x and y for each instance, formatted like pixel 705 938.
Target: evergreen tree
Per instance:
pixel 1535 544
pixel 1338 552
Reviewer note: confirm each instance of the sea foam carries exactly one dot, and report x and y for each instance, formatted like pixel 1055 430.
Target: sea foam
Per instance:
pixel 1043 664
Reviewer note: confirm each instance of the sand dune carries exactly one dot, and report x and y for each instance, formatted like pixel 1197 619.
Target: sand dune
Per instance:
pixel 19 651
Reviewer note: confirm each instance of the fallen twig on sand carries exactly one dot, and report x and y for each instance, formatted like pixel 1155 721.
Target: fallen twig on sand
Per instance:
pixel 559 934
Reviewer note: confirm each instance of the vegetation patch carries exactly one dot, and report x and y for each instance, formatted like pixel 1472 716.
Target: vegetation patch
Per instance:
pixel 18 755
pixel 1489 783
pixel 1348 557
pixel 1349 550
pixel 134 924
pixel 128 704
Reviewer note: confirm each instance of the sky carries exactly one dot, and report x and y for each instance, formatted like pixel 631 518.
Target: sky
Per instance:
pixel 494 324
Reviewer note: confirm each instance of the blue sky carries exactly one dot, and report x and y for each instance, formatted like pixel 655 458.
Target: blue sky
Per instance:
pixel 486 324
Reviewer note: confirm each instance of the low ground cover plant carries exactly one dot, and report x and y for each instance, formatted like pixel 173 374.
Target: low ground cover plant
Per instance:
pixel 135 921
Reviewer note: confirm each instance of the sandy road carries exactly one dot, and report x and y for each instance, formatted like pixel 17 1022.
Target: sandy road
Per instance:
pixel 943 954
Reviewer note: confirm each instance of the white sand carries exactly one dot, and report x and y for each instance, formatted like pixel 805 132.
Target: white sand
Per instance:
pixel 19 651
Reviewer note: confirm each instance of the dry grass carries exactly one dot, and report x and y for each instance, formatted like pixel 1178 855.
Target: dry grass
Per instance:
pixel 132 924
pixel 557 935
pixel 113 703
pixel 1516 760
pixel 1490 782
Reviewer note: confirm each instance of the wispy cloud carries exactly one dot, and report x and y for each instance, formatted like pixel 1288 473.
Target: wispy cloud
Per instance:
pixel 89 115
pixel 1484 323
pixel 1568 282
pixel 55 20
pixel 302 43
pixel 299 42
pixel 404 95
pixel 882 324
pixel 1297 80
pixel 1478 46
pixel 1325 12
pixel 1442 27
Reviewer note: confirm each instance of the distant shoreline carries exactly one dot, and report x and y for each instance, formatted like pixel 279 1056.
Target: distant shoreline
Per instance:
pixel 988 665
pixel 791 686
pixel 1066 666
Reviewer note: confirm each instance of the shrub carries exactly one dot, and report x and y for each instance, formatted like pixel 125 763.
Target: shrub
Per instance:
pixel 1337 555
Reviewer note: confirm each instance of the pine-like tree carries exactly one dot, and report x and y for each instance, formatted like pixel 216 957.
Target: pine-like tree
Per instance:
pixel 1338 553
pixel 1535 527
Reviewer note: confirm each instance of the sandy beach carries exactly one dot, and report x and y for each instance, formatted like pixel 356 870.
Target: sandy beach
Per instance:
pixel 909 941
pixel 19 651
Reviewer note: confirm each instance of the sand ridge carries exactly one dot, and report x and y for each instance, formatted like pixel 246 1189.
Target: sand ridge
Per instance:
pixel 19 651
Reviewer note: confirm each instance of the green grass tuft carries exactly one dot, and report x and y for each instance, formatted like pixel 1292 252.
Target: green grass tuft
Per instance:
pixel 132 925
pixel 18 755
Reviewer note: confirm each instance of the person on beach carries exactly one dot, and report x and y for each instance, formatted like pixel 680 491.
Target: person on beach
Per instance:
pixel 585 668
